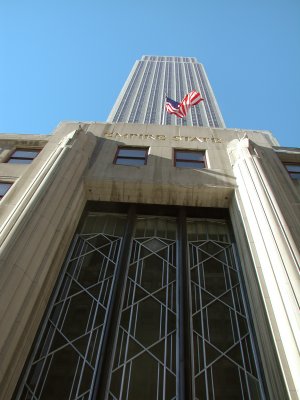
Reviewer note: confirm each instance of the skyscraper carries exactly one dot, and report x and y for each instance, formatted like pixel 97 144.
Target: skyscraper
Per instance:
pixel 152 78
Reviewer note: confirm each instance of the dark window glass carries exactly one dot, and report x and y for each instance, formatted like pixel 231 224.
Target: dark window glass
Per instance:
pixel 4 187
pixel 189 164
pixel 189 159
pixel 189 155
pixel 20 161
pixel 23 156
pixel 130 161
pixel 293 167
pixel 131 156
pixel 295 176
pixel 131 153
pixel 25 153
pixel 293 170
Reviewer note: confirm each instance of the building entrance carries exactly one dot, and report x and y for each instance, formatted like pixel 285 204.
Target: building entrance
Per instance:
pixel 147 307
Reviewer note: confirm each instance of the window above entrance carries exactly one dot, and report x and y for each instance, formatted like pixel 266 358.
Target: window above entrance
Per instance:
pixel 131 156
pixel 23 156
pixel 293 170
pixel 4 188
pixel 189 159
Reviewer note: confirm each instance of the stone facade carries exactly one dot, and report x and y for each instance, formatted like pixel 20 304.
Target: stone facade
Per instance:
pixel 244 174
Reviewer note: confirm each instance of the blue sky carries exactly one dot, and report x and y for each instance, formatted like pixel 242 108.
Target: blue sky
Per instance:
pixel 68 59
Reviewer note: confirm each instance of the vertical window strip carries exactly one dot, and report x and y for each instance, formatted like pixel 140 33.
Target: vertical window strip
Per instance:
pixel 204 95
pixel 139 100
pixel 150 110
pixel 207 94
pixel 125 103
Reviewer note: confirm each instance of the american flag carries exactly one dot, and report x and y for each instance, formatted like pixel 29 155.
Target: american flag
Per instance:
pixel 181 109
pixel 173 107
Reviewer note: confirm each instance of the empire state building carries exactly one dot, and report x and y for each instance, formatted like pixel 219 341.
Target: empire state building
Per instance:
pixel 146 260
pixel 152 78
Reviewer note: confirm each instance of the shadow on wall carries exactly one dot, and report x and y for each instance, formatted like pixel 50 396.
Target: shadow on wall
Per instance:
pixel 157 182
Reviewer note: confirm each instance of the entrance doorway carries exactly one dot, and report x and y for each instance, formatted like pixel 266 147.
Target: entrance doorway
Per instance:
pixel 147 307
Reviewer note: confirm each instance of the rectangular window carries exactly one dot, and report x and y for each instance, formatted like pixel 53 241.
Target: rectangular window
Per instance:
pixel 23 156
pixel 4 188
pixel 189 159
pixel 131 156
pixel 293 170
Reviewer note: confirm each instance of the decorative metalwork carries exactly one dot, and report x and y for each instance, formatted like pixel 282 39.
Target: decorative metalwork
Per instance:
pixel 145 340
pixel 145 358
pixel 64 361
pixel 224 365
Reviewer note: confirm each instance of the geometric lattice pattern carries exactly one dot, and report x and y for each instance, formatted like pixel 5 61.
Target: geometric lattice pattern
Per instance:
pixel 64 360
pixel 224 366
pixel 145 359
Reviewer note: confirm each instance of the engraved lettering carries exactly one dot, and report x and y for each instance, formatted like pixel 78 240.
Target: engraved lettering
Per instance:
pixel 177 137
pixel 161 137
pixel 149 137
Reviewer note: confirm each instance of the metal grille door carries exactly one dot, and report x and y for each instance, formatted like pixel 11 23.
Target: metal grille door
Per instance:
pixel 145 359
pixel 146 308
pixel 224 366
pixel 63 363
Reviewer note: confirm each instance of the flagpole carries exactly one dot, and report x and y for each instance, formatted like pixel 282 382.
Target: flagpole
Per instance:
pixel 163 119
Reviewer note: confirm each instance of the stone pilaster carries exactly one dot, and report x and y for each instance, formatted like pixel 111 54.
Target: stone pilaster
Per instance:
pixel 275 259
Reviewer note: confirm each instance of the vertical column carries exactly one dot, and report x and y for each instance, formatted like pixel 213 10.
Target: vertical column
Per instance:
pixel 31 251
pixel 273 256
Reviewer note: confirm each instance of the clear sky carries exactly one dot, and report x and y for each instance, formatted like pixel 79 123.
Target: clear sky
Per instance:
pixel 68 59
